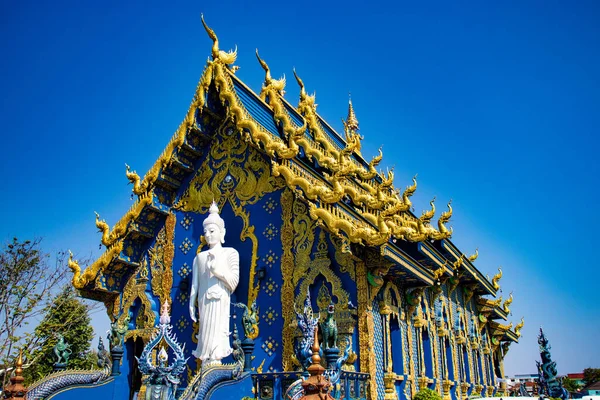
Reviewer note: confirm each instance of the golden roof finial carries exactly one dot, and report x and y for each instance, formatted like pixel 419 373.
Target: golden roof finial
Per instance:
pixel 16 390
pixel 474 256
pixel 519 327
pixel 305 98
pixel 496 279
pixel 277 84
pixel 351 122
pixel 507 303
pixel 300 83
pixel 218 55
pixel 428 214
pixel 264 66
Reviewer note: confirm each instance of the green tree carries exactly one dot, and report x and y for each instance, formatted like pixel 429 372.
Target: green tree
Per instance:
pixel 69 317
pixel 570 384
pixel 27 281
pixel 427 394
pixel 591 375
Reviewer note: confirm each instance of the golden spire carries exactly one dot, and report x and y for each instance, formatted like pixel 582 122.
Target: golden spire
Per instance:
pixel 16 390
pixel 317 386
pixel 351 122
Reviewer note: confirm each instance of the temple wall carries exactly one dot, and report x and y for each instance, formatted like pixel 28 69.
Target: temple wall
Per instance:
pixel 441 345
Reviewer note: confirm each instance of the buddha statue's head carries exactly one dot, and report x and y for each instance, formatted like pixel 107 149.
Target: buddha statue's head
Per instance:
pixel 214 226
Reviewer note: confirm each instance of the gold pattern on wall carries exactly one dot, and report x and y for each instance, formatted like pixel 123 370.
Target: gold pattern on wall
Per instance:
pixel 232 170
pixel 236 173
pixel 248 233
pixel 412 356
pixel 287 269
pixel 387 306
pixel 320 265
pixel 371 352
pixel 364 338
pixel 161 260
pixel 304 237
pixel 454 347
pixel 343 255
pixel 135 289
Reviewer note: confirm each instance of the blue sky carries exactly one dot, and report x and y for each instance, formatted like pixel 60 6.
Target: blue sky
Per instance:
pixel 494 106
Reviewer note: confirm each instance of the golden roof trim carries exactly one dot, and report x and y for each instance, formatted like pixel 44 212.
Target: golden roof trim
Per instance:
pixel 80 280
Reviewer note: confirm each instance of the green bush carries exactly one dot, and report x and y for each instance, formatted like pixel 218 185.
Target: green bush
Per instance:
pixel 427 394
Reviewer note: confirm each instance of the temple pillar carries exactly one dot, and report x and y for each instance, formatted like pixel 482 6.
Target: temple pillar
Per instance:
pixel 116 354
pixel 248 347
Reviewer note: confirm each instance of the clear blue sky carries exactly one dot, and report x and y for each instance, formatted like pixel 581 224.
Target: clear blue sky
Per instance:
pixel 494 105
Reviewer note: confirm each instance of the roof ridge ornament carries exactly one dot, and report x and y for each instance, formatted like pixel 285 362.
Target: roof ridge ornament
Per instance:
pixel 351 121
pixel 305 98
pixel 274 84
pixel 496 279
pixel 474 256
pixel 224 57
pixel 353 138
pixel 519 326
pixel 507 303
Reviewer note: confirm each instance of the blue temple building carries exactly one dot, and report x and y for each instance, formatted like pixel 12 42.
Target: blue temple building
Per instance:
pixel 315 224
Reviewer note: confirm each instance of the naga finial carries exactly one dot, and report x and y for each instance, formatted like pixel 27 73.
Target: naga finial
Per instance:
pixel 73 264
pixel 308 100
pixel 218 55
pixel 102 227
pixel 76 270
pixel 276 84
pixel 507 303
pixel 387 180
pixel 519 327
pixel 377 159
pixel 134 179
pixel 264 66
pixel 496 278
pixel 409 191
pixel 445 217
pixel 428 214
pixel 214 38
pixel 300 83
pixel 474 256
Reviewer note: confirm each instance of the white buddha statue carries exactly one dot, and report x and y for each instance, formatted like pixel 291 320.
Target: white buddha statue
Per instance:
pixel 215 276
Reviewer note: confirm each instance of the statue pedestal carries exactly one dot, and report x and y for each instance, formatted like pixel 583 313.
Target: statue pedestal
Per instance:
pixel 116 354
pixel 331 356
pixel 248 347
pixel 59 366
